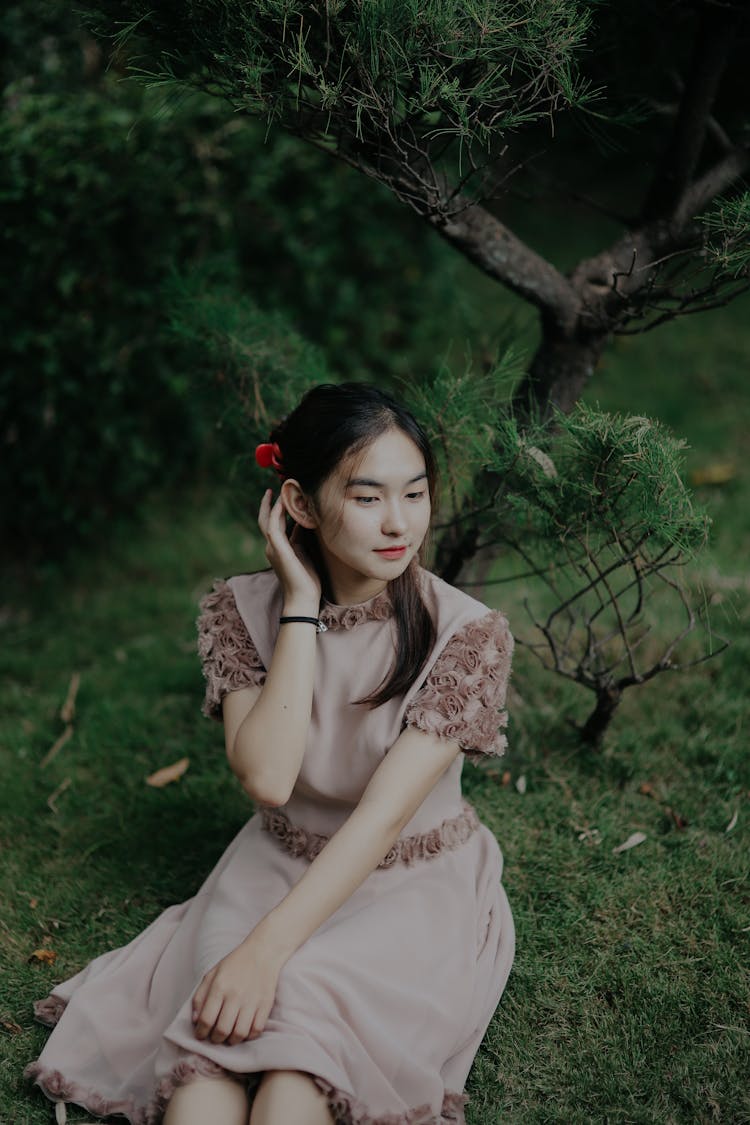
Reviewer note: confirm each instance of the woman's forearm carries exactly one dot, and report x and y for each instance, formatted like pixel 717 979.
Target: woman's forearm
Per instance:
pixel 268 747
pixel 399 785
pixel 347 859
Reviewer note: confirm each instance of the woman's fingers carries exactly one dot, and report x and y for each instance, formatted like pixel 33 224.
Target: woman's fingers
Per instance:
pixel 242 1025
pixel 208 1014
pixel 264 511
pixel 284 552
pixel 225 1020
pixel 201 993
pixel 271 516
pixel 277 520
pixel 261 1016
pixel 251 1020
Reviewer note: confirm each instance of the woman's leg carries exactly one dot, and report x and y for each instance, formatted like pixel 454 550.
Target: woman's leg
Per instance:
pixel 286 1096
pixel 221 1101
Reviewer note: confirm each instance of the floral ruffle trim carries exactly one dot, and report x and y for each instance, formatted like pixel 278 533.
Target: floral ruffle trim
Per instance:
pixel 49 1010
pixel 59 1089
pixel 346 1110
pixel 228 656
pixel 192 1066
pixel 378 608
pixel 463 698
pixel 448 835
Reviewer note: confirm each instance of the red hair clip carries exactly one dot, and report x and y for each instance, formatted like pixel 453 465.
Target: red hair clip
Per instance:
pixel 268 456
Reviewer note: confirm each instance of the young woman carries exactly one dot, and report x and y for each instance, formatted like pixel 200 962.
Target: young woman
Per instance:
pixel 342 961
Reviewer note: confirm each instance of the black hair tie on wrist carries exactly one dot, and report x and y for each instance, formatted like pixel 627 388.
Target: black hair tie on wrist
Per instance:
pixel 321 628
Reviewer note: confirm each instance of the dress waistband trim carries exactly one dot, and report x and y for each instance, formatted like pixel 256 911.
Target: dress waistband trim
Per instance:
pixel 450 834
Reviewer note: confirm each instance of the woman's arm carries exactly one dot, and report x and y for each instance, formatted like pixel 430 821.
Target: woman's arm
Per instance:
pixel 236 996
pixel 265 728
pixel 402 781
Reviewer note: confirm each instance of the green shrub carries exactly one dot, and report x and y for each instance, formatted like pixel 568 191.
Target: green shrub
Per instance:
pixel 109 192
pixel 104 200
pixel 96 406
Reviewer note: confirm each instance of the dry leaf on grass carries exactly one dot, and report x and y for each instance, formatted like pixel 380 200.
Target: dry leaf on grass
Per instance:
pixel 646 789
pixel 56 746
pixel 68 709
pixel 11 1027
pixel 680 822
pixel 506 777
pixel 43 956
pixel 632 841
pixel 168 774
pixel 521 784
pixel 733 821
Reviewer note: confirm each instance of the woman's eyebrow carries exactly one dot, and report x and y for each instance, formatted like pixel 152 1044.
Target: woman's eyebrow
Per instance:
pixel 363 482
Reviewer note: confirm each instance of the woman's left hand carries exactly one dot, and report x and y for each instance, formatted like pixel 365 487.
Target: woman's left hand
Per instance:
pixel 235 997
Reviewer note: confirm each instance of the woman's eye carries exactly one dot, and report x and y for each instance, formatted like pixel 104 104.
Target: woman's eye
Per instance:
pixel 365 499
pixel 414 495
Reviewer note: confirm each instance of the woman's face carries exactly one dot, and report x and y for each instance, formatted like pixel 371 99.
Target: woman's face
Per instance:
pixel 373 513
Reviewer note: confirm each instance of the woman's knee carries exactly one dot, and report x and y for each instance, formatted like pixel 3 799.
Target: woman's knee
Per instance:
pixel 220 1099
pixel 286 1091
pixel 291 1078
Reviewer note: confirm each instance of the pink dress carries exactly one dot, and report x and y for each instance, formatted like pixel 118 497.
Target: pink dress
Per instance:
pixel 386 1004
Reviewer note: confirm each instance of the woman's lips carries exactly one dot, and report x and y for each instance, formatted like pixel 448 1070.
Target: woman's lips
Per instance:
pixel 391 552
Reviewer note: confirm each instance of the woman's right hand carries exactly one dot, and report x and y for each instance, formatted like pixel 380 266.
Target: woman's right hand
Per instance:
pixel 296 573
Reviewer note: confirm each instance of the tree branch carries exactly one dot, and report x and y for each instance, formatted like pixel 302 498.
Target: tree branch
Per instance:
pixel 712 183
pixel 499 253
pixel 714 35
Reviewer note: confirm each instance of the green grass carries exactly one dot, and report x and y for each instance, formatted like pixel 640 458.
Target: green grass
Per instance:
pixel 628 1001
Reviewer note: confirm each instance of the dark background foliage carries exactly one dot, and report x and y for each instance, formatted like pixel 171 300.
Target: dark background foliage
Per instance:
pixel 114 198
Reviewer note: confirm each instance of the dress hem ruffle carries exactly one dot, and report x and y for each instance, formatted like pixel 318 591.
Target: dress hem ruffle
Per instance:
pixel 344 1107
pixel 59 1089
pixel 346 1110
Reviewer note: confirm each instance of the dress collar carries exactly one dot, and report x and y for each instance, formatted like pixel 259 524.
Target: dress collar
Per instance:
pixel 335 616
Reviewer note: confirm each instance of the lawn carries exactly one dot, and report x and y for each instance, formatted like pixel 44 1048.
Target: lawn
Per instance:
pixel 628 1001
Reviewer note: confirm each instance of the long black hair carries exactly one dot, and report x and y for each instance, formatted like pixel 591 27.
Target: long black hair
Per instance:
pixel 333 421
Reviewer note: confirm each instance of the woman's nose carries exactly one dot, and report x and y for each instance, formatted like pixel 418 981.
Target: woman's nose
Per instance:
pixel 394 520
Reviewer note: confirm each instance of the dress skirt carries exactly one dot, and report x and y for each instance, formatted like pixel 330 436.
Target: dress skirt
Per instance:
pixel 385 1005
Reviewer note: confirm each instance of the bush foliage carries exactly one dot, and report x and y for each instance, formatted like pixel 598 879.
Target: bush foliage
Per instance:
pixel 110 195
pixel 590 513
pixel 98 406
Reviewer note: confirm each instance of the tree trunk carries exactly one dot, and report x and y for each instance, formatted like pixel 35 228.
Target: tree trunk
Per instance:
pixel 456 546
pixel 560 371
pixel 607 700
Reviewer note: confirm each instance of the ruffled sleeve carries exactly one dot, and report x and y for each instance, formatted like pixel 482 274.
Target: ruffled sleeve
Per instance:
pixel 228 656
pixel 463 697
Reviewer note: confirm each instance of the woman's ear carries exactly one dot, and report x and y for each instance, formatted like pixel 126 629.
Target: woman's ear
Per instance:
pixel 298 504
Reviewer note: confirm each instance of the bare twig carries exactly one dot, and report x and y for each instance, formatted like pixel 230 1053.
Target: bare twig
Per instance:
pixel 52 799
pixel 68 709
pixel 57 746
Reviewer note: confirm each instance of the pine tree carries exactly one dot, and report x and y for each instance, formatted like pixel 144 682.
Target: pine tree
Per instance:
pixel 451 104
